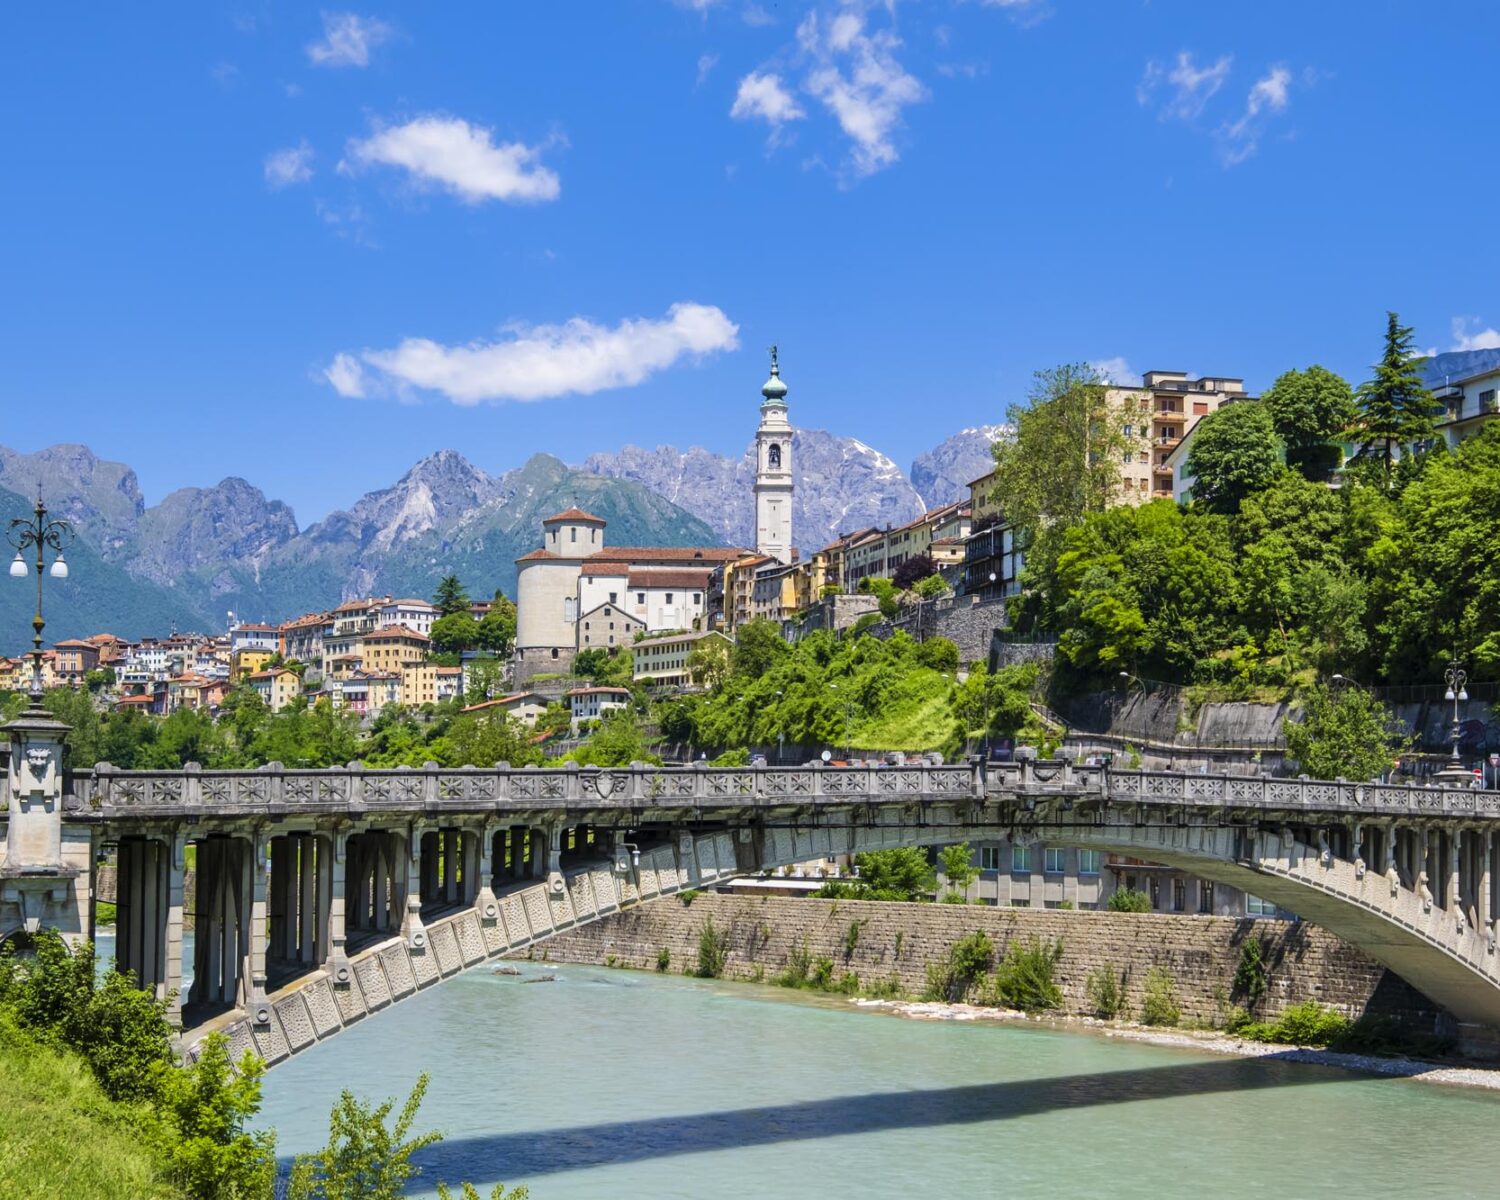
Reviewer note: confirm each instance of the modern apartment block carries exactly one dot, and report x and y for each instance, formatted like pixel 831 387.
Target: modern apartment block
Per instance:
pixel 1157 416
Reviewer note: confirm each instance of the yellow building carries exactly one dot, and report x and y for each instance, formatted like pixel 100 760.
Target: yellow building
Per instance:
pixel 386 651
pixel 1157 416
pixel 247 661
pixel 278 687
pixel 419 684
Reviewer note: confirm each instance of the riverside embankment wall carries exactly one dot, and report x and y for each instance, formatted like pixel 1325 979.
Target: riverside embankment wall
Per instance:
pixel 900 940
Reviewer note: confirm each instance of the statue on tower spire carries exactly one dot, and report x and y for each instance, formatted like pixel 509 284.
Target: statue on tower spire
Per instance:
pixel 775 370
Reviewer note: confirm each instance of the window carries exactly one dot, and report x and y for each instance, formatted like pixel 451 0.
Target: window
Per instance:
pixel 1128 456
pixel 1020 859
pixel 697 597
pixel 1200 408
pixel 1054 860
pixel 1130 431
pixel 1179 895
pixel 614 597
pixel 773 457
pixel 989 858
pixel 1256 907
pixel 1020 903
pixel 640 597
pixel 669 597
pixel 1088 862
pixel 1154 887
pixel 1205 896
pixel 573 533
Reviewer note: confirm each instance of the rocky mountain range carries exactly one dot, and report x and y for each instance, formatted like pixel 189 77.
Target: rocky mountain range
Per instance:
pixel 205 552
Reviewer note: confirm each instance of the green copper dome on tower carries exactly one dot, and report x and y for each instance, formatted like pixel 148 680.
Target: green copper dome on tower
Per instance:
pixel 774 390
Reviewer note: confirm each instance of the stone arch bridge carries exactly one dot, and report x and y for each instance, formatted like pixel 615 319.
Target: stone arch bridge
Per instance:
pixel 325 896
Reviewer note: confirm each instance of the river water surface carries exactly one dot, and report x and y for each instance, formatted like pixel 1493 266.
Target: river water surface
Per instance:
pixel 635 1086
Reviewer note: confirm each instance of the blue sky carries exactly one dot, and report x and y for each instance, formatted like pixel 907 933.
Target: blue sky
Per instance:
pixel 309 247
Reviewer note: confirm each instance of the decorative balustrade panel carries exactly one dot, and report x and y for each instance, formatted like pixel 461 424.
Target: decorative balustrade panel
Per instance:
pixel 153 795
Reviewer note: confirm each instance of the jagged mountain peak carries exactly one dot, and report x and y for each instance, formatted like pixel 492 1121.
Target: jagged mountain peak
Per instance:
pixel 943 473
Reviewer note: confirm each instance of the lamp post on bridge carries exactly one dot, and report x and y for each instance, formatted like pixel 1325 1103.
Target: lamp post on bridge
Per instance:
pixel 1455 774
pixel 41 868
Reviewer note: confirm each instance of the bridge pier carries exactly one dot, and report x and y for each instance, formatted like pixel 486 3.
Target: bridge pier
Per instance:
pixel 225 962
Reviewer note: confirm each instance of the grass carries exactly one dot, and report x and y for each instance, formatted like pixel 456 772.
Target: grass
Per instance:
pixel 61 1136
pixel 918 716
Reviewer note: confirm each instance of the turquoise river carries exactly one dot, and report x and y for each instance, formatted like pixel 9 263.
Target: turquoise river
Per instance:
pixel 635 1086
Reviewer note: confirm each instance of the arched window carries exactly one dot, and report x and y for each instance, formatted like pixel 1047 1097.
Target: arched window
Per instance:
pixel 773 457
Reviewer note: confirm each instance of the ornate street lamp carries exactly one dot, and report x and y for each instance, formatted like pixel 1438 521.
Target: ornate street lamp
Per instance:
pixel 40 534
pixel 1455 677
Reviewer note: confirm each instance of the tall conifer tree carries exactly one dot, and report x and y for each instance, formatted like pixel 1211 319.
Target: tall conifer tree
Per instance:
pixel 1394 408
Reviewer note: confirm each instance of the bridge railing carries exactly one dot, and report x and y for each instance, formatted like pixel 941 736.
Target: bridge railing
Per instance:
pixel 356 789
pixel 1240 791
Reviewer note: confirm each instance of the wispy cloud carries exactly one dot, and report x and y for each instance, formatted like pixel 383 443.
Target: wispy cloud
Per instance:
pixel 1117 371
pixel 291 165
pixel 1184 88
pixel 461 158
pixel 756 17
pixel 706 64
pixel 541 362
pixel 1022 12
pixel 765 98
pixel 348 40
pixel 1269 95
pixel 858 79
pixel 1479 339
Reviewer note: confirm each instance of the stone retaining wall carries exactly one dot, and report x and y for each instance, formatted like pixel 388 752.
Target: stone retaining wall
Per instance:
pixel 900 940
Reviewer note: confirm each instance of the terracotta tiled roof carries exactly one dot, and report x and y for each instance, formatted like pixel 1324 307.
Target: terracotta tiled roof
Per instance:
pixel 75 644
pixel 668 579
pixel 641 555
pixel 135 700
pixel 409 600
pixel 249 628
pixel 387 632
pixel 594 691
pixel 504 701
pixel 575 514
pixel 536 556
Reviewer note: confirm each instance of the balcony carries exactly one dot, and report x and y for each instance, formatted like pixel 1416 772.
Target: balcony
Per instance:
pixel 1167 414
pixel 1167 440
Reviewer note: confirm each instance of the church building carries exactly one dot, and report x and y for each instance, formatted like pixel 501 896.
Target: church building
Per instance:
pixel 576 592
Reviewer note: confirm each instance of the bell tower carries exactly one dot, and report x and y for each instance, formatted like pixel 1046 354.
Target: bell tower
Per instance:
pixel 773 471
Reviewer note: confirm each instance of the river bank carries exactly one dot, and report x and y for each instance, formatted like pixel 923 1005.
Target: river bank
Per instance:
pixel 889 946
pixel 1211 1041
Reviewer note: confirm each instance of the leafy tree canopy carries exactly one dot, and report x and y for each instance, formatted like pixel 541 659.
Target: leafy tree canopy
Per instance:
pixel 1234 453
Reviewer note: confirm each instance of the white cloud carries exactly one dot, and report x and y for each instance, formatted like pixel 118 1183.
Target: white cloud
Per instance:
pixel 706 63
pixel 291 165
pixel 543 361
pixel 346 375
pixel 1480 339
pixel 1239 139
pixel 859 81
pixel 765 98
pixel 348 39
pixel 756 17
pixel 462 158
pixel 1116 370
pixel 1022 12
pixel 1191 86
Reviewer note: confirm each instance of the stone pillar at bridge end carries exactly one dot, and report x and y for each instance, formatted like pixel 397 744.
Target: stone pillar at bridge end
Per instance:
pixel 45 877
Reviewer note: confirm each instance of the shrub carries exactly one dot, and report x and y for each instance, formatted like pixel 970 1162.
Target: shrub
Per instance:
pixel 688 895
pixel 663 959
pixel 713 951
pixel 1305 1024
pixel 798 967
pixel 851 939
pixel 1105 989
pixel 1159 1003
pixel 1250 974
pixel 968 959
pixel 1131 900
pixel 1024 977
pixel 210 1102
pixel 104 912
pixel 822 974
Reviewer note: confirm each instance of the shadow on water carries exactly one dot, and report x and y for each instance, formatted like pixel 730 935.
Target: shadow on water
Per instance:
pixel 541 1152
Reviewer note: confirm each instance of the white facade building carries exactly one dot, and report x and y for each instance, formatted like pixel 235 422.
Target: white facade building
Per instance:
pixel 416 615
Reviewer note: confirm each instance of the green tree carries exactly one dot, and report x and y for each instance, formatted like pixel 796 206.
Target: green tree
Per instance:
pixel 885 591
pixel 758 646
pixel 1233 454
pixel 900 874
pixel 1344 733
pixel 211 1101
pixel 1394 408
pixel 1131 900
pixel 709 662
pixel 616 742
pixel 1064 460
pixel 450 597
pixel 959 871
pixel 455 632
pixel 497 632
pixel 1310 410
pixel 366 1157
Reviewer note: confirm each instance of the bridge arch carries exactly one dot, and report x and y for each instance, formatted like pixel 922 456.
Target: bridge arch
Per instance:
pixel 1444 951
